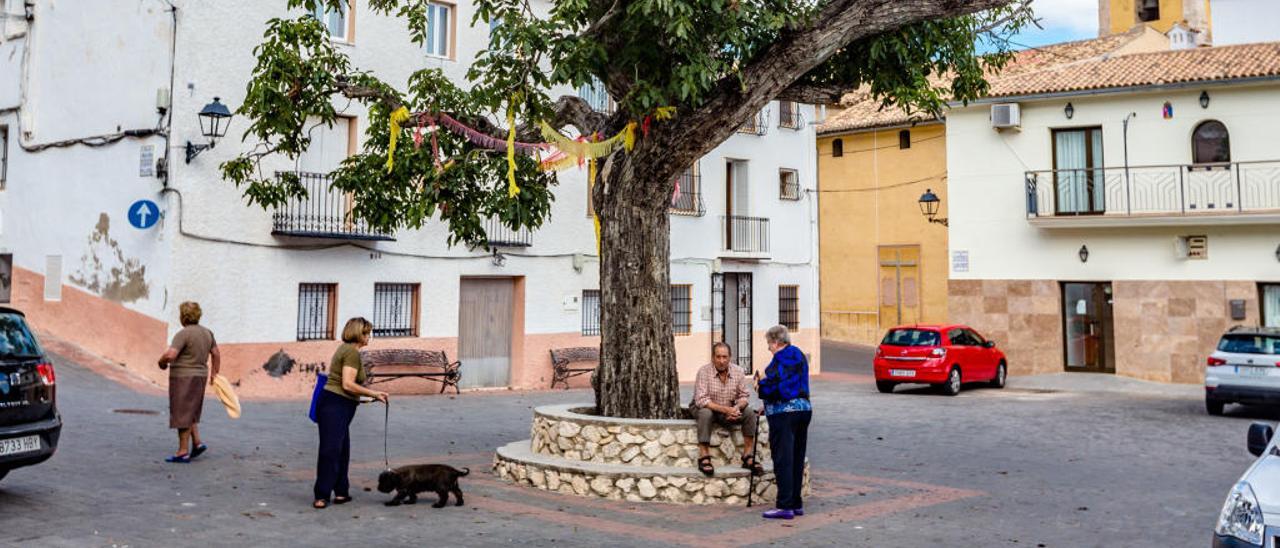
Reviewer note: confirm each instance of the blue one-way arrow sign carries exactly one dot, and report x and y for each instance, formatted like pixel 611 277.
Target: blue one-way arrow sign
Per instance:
pixel 143 214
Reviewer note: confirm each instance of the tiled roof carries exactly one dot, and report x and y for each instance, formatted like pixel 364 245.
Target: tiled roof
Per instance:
pixel 1146 69
pixel 863 112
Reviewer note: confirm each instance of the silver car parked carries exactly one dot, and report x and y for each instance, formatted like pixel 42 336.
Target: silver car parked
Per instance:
pixel 1250 517
pixel 1244 369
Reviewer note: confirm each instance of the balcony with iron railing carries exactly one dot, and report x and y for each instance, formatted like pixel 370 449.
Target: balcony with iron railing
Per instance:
pixel 501 235
pixel 687 199
pixel 1226 193
pixel 324 212
pixel 757 125
pixel 744 237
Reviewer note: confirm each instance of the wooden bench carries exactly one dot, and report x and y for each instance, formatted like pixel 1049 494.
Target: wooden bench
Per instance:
pixel 567 363
pixel 433 365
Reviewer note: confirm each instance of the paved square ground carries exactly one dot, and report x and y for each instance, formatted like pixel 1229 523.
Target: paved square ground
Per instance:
pixel 1061 460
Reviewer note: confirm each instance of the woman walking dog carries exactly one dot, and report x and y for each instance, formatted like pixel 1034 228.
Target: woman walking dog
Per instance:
pixel 335 408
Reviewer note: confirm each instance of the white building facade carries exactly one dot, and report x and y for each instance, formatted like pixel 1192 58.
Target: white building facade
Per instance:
pixel 1125 215
pixel 82 141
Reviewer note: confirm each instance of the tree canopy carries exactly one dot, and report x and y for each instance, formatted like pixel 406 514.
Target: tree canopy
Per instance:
pixel 689 72
pixel 695 55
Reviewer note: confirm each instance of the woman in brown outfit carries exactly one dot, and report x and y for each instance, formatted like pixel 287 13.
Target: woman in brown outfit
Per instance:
pixel 187 360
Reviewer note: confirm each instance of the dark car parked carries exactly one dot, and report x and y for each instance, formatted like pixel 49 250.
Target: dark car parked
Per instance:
pixel 29 419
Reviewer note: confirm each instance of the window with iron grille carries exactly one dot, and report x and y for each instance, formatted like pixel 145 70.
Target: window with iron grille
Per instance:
pixel 395 310
pixel 590 312
pixel 788 184
pixel 789 306
pixel 316 306
pixel 686 199
pixel 681 309
pixel 789 115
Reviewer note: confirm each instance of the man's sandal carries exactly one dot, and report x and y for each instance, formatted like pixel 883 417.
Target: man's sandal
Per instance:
pixel 749 463
pixel 704 465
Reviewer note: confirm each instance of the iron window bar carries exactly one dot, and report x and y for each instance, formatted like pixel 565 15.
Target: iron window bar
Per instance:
pixel 590 312
pixel 689 200
pixel 681 309
pixel 789 116
pixel 788 185
pixel 757 125
pixel 315 311
pixel 789 306
pixel 324 212
pixel 395 310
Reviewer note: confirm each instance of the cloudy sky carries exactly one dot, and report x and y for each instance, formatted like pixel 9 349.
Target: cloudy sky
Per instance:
pixel 1063 21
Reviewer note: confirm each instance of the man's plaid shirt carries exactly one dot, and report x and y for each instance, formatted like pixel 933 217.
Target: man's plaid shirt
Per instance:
pixel 708 388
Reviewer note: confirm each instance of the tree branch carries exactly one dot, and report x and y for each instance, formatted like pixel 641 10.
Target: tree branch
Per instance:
pixel 796 52
pixel 813 94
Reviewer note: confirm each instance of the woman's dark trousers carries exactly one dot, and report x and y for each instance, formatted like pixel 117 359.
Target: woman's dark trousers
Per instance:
pixel 334 414
pixel 788 436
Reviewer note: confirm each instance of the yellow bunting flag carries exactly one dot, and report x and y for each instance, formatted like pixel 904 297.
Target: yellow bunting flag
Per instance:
pixel 399 115
pixel 663 113
pixel 591 182
pixel 512 188
pixel 629 136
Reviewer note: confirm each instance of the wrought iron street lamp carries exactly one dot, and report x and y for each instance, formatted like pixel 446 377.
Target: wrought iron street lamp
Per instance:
pixel 1084 253
pixel 1070 111
pixel 929 203
pixel 214 119
pixel 1204 99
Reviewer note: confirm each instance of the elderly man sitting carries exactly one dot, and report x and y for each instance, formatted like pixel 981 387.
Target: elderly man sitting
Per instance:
pixel 721 395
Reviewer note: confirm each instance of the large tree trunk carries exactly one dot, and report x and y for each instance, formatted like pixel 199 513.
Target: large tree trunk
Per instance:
pixel 637 375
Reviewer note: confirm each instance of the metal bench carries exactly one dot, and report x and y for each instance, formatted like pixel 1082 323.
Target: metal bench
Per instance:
pixel 433 365
pixel 567 363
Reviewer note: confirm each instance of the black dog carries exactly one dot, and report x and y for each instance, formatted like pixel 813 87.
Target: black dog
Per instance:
pixel 408 481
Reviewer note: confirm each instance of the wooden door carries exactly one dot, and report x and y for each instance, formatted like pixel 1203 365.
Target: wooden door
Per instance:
pixel 485 315
pixel 899 281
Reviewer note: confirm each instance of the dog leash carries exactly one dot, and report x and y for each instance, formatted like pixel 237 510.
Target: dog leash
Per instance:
pixel 386 420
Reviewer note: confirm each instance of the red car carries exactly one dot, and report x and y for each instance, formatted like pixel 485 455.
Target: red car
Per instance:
pixel 942 355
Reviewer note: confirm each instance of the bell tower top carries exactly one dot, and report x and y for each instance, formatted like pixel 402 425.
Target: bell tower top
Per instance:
pixel 1117 16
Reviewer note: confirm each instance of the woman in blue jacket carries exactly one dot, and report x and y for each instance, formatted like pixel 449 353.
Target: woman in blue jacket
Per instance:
pixel 785 393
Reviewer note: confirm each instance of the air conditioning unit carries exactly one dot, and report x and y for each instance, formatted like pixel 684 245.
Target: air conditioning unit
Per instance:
pixel 1006 115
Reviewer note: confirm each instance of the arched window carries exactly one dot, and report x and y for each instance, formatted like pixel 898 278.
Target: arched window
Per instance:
pixel 1210 143
pixel 837 148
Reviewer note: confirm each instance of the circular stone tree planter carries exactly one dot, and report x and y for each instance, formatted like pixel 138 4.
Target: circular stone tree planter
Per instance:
pixel 577 453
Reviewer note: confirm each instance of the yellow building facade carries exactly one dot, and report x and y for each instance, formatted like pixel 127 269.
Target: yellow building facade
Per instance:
pixel 1118 16
pixel 883 263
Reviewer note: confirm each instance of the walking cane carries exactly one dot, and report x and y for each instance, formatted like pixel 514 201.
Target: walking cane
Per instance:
pixel 755 459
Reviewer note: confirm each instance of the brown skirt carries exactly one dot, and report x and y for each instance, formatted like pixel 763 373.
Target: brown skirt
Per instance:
pixel 186 400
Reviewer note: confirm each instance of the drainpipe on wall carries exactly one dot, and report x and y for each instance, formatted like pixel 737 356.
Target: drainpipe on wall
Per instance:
pixel 1128 202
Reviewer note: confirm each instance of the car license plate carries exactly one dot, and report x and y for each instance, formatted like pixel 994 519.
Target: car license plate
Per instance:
pixel 1251 371
pixel 19 445
pixel 902 372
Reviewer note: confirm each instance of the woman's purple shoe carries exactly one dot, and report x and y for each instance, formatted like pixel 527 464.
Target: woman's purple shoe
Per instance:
pixel 798 512
pixel 778 513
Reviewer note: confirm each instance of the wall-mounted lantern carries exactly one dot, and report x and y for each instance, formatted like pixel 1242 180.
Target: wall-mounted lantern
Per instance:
pixel 214 119
pixel 1204 99
pixel 1278 253
pixel 1070 111
pixel 1084 253
pixel 929 203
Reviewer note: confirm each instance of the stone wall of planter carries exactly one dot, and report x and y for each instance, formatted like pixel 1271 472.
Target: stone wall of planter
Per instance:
pixel 575 453
pixel 567 432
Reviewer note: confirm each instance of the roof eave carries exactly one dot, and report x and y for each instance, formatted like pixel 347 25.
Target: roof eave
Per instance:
pixel 1117 90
